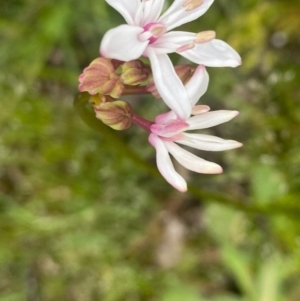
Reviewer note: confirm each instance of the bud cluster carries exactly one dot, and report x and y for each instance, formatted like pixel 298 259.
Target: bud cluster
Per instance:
pixel 107 80
pixel 120 72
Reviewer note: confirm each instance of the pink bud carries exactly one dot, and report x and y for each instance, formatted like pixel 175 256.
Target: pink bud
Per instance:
pixel 100 77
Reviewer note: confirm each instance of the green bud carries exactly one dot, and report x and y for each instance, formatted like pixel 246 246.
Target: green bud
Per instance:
pixel 116 114
pixel 134 72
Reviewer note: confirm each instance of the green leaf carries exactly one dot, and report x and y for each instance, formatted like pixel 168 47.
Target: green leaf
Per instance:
pixel 180 294
pixel 267 183
pixel 239 265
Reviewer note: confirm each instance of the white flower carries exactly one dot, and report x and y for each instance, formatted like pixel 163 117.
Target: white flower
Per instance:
pixel 168 130
pixel 147 33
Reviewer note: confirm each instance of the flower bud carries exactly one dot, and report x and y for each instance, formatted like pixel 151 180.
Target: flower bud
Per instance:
pixel 100 77
pixel 117 114
pixel 134 72
pixel 184 72
pixel 116 63
pixel 152 89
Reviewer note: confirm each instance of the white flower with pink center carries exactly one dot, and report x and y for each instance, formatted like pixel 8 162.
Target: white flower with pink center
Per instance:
pixel 168 131
pixel 147 33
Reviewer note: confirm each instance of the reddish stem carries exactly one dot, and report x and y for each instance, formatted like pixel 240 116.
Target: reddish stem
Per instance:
pixel 130 90
pixel 141 122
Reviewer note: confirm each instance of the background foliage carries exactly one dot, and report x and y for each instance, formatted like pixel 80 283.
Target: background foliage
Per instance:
pixel 84 215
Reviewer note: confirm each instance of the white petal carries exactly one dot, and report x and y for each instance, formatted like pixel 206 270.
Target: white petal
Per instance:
pixel 171 41
pixel 165 165
pixel 127 8
pixel 168 84
pixel 210 119
pixel 122 43
pixel 192 162
pixel 207 142
pixel 177 15
pixel 215 53
pixel 151 11
pixel 197 85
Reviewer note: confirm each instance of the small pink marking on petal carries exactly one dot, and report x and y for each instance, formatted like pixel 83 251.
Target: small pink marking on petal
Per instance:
pixel 235 113
pixel 170 129
pixel 213 169
pixel 238 144
pixel 174 138
pixel 185 47
pixel 200 109
pixel 103 53
pixel 156 128
pixel 173 127
pixel 152 140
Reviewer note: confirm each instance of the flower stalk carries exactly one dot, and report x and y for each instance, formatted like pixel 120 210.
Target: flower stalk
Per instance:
pixel 142 122
pixel 119 72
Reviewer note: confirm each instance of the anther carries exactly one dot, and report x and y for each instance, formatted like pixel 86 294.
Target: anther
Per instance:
pixel 192 4
pixel 185 47
pixel 205 36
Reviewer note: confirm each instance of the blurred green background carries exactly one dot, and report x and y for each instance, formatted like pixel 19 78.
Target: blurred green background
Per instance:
pixel 84 215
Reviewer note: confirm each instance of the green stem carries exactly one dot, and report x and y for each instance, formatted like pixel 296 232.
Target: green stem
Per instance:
pixel 112 138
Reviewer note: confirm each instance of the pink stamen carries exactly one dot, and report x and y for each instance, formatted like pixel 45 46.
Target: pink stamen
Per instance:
pixel 154 31
pixel 185 47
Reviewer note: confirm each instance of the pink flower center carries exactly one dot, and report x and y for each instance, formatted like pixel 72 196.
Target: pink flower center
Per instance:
pixel 170 130
pixel 153 31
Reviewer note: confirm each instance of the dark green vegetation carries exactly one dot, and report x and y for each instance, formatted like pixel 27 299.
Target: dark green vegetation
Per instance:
pixel 85 216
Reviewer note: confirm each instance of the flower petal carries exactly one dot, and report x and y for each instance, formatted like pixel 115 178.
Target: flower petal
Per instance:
pixel 179 13
pixel 151 11
pixel 168 84
pixel 122 43
pixel 165 117
pixel 210 119
pixel 127 8
pixel 197 85
pixel 165 165
pixel 207 142
pixel 215 53
pixel 192 162
pixel 173 40
pixel 171 128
